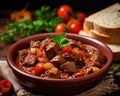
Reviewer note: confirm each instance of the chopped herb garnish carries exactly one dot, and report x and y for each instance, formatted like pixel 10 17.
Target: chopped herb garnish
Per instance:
pixel 115 70
pixel 60 39
pixel 45 19
pixel 118 73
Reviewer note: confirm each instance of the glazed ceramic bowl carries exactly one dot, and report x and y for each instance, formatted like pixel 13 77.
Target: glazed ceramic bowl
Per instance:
pixel 59 86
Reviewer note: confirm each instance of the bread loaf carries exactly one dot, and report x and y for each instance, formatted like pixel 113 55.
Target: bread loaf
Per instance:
pixel 105 22
pixel 104 25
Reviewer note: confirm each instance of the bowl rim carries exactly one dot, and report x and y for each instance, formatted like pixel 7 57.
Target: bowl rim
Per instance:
pixel 87 77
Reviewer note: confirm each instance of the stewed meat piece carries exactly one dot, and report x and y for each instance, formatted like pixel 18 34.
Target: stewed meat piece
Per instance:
pixel 52 49
pixel 69 67
pixel 52 73
pixel 26 59
pixel 76 43
pixel 73 57
pixel 21 55
pixel 98 56
pixel 57 60
pixel 30 60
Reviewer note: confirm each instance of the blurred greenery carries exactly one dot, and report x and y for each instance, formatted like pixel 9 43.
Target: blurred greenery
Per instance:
pixel 45 19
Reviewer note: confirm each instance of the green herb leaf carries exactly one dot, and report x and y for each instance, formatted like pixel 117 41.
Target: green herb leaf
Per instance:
pixel 115 68
pixel 45 20
pixel 110 72
pixel 65 42
pixel 118 73
pixel 60 39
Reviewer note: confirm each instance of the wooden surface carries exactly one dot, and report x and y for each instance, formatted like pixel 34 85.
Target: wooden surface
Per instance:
pixel 5 47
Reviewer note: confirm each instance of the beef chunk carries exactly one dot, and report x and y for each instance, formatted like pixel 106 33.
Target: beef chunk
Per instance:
pixel 34 44
pixel 69 67
pixel 72 57
pixel 21 55
pixel 30 60
pixel 52 73
pixel 57 60
pixel 52 49
pixel 46 41
pixel 98 56
pixel 75 43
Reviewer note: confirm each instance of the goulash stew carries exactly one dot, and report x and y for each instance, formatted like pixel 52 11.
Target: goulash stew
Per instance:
pixel 59 57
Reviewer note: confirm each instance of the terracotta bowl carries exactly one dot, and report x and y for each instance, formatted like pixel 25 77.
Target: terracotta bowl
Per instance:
pixel 59 86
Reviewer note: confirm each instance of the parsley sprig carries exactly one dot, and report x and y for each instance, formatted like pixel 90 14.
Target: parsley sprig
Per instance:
pixel 60 39
pixel 115 70
pixel 44 20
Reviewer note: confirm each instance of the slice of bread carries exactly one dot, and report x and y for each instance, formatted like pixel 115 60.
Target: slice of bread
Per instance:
pixel 116 51
pixel 94 34
pixel 105 22
pixel 104 37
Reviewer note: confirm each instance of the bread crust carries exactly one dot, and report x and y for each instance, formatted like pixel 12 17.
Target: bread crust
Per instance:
pixel 100 31
pixel 88 25
pixel 107 34
pixel 94 27
pixel 114 39
pixel 100 37
pixel 116 51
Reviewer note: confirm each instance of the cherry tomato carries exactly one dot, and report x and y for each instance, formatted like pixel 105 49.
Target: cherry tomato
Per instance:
pixel 38 69
pixel 74 26
pixel 65 11
pixel 67 48
pixel 79 74
pixel 80 16
pixel 60 28
pixel 5 86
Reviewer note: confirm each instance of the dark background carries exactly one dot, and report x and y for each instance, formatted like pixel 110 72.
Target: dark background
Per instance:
pixel 82 5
